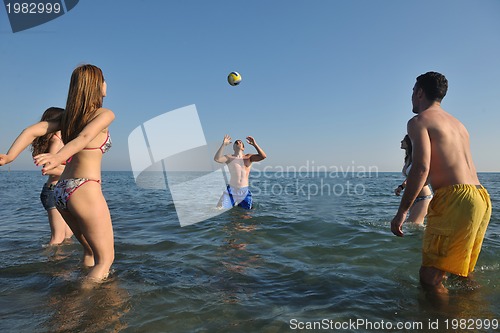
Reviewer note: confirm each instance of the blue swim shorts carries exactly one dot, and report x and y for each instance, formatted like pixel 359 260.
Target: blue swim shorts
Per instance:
pixel 47 197
pixel 231 197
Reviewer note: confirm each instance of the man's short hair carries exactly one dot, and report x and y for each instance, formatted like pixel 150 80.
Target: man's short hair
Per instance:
pixel 434 85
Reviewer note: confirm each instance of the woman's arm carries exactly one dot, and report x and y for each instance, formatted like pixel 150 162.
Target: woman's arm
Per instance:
pixel 400 188
pixel 89 132
pixel 26 138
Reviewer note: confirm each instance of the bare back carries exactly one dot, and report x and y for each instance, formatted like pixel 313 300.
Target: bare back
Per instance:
pixel 451 160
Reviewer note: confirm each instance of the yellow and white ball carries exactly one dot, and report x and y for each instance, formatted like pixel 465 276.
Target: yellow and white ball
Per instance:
pixel 234 78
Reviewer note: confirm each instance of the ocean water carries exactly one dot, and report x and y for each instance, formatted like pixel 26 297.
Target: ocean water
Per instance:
pixel 316 252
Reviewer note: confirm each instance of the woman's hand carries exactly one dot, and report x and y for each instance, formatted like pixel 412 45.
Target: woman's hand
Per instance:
pixel 48 161
pixel 397 191
pixel 4 159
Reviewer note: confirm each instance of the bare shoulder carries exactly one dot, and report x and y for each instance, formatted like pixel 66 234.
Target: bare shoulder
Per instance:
pixel 431 118
pixel 104 117
pixel 105 112
pixel 100 121
pixel 417 122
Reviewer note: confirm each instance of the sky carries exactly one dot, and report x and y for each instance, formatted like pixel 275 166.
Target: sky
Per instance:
pixel 325 82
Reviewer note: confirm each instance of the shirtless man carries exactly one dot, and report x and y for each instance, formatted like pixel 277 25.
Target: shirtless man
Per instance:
pixel 460 211
pixel 239 164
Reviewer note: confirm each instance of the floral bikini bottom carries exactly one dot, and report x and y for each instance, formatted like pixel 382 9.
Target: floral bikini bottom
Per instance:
pixel 66 187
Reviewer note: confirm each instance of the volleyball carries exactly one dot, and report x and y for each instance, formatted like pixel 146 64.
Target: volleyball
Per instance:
pixel 234 78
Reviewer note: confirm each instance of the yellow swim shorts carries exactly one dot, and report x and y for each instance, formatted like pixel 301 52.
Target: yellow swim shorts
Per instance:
pixel 456 223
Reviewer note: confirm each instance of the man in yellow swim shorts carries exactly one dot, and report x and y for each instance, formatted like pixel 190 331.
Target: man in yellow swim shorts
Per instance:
pixel 460 211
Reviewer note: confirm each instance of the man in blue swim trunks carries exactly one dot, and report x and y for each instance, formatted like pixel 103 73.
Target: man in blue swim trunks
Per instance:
pixel 239 164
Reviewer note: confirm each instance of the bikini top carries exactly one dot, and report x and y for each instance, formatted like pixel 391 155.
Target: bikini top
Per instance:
pixel 406 170
pixel 105 146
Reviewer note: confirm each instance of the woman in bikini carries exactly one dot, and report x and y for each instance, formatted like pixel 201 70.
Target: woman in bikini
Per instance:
pixel 52 143
pixel 418 210
pixel 79 199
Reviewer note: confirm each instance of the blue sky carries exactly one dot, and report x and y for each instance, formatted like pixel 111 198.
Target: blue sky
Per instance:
pixel 324 81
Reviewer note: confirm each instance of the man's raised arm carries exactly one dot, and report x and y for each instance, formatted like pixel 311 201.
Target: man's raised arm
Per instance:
pixel 219 155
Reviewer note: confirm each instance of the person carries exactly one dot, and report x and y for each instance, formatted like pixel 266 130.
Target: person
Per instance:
pixel 418 210
pixel 52 143
pixel 460 211
pixel 79 199
pixel 239 164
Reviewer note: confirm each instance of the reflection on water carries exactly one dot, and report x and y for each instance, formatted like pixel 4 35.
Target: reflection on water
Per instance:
pixel 74 306
pixel 236 255
pixel 466 304
pixel 247 271
pixel 77 309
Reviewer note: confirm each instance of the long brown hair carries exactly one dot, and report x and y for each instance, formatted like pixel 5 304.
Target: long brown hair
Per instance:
pixel 408 154
pixel 41 144
pixel 84 99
